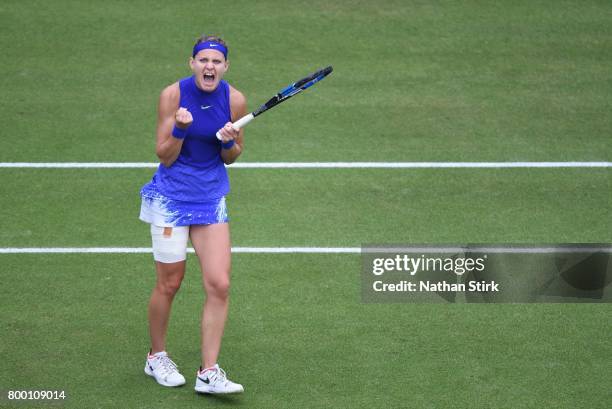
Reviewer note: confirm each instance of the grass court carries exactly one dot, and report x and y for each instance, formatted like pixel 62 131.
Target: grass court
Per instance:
pixel 413 81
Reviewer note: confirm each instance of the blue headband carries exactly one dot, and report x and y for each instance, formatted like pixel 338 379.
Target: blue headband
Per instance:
pixel 209 45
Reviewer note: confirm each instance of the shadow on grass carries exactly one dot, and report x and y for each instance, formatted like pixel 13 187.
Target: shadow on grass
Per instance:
pixel 223 400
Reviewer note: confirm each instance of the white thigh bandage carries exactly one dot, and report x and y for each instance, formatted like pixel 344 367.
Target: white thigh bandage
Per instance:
pixel 169 243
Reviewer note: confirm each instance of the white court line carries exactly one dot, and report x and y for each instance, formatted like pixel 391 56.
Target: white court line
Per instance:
pixel 313 250
pixel 139 250
pixel 317 165
pixel 492 250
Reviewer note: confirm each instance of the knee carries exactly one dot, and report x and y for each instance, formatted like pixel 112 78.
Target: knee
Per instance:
pixel 218 287
pixel 169 287
pixel 169 277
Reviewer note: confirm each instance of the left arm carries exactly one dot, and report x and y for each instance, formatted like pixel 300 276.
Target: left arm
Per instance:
pixel 238 107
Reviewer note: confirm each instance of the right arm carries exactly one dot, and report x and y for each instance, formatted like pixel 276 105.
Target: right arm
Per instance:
pixel 168 147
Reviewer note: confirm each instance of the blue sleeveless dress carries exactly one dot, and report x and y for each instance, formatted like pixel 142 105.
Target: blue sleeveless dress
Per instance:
pixel 192 190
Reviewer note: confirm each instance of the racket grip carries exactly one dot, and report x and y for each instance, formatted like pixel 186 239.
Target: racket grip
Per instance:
pixel 240 123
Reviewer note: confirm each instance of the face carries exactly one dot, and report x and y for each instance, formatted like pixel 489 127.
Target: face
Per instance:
pixel 209 66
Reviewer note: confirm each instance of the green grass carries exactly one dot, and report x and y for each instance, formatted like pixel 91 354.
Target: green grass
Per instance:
pixel 298 336
pixel 421 80
pixel 322 207
pixel 413 81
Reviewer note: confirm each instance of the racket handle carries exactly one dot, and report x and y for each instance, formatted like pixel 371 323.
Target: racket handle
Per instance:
pixel 240 123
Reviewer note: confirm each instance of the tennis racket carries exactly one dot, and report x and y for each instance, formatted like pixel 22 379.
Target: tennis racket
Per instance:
pixel 282 96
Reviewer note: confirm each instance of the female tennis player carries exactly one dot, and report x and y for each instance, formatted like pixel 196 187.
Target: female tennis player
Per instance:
pixel 186 199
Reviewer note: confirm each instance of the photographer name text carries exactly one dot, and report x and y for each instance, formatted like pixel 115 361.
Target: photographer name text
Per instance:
pixel 440 286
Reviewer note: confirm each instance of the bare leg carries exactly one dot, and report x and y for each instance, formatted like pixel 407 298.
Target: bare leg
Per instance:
pixel 169 278
pixel 212 245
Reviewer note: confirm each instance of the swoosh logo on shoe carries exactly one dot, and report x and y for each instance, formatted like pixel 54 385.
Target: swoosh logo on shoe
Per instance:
pixel 206 381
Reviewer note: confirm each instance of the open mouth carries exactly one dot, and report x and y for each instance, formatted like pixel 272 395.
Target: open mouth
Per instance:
pixel 209 78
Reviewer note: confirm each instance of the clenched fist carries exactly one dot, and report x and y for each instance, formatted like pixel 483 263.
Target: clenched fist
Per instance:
pixel 183 118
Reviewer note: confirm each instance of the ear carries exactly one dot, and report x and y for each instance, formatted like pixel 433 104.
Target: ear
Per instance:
pixel 191 62
pixel 226 65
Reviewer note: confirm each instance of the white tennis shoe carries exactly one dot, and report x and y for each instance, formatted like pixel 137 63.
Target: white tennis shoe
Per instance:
pixel 214 380
pixel 163 369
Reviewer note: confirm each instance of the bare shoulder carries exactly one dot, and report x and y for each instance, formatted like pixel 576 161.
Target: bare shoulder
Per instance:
pixel 238 103
pixel 169 100
pixel 171 93
pixel 237 97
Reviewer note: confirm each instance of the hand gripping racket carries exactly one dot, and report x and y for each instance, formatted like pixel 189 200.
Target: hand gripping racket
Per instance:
pixel 283 95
